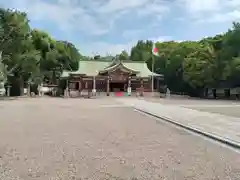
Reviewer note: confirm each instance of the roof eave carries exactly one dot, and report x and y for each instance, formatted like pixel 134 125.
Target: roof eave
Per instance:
pixel 113 68
pixel 157 75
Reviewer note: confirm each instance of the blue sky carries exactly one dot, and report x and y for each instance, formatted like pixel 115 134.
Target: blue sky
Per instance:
pixel 110 26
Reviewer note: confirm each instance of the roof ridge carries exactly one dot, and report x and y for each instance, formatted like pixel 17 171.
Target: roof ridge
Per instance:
pixel 130 61
pixel 98 60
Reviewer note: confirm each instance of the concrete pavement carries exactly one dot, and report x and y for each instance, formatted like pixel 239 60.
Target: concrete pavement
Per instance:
pixel 218 127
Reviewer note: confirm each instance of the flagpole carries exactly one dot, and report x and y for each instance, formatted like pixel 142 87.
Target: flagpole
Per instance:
pixel 152 73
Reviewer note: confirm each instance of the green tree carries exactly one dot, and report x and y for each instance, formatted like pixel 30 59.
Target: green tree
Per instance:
pixel 17 45
pixel 123 55
pixel 56 56
pixel 191 66
pixel 142 51
pixel 199 68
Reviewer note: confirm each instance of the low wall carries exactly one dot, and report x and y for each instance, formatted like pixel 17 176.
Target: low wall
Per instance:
pixel 76 93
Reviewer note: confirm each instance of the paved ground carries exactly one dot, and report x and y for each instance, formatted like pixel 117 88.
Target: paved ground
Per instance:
pixel 220 126
pixel 224 107
pixel 46 139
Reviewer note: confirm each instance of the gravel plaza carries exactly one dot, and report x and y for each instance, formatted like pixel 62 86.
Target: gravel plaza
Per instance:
pixel 52 138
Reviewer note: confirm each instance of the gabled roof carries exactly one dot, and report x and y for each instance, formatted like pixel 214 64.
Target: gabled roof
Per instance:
pixel 90 68
pixel 93 67
pixel 141 67
pixel 118 65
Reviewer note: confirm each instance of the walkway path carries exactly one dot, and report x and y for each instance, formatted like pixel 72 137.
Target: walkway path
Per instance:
pixel 220 127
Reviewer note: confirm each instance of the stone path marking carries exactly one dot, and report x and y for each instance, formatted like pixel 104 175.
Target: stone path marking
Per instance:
pixel 219 127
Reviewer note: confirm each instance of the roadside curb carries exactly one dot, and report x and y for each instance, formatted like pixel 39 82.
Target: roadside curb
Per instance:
pixel 225 141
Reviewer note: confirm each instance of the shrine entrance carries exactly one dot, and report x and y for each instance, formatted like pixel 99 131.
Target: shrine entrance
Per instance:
pixel 118 86
pixel 118 79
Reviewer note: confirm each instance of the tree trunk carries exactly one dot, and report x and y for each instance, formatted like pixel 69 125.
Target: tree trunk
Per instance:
pixel 206 92
pixel 54 78
pixel 29 89
pixel 21 85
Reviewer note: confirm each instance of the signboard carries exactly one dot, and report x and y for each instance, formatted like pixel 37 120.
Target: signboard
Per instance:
pixel 118 76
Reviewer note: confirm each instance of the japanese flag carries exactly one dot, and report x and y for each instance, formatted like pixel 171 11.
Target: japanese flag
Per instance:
pixel 155 50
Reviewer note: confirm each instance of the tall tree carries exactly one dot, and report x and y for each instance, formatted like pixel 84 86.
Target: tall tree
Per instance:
pixel 17 45
pixel 142 51
pixel 123 55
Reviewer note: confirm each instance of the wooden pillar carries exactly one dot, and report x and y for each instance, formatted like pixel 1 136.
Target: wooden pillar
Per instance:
pixel 94 86
pixel 108 82
pixel 142 87
pixel 129 90
pixel 29 89
pixel 66 94
pixel 79 88
pixel 152 84
pixel 79 85
pixel 41 92
pixel 39 88
pixel 8 90
pixel 86 85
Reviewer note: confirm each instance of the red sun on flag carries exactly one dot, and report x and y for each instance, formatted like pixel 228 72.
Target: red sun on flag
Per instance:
pixel 155 50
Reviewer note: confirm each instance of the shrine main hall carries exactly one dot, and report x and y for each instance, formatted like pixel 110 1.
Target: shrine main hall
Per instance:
pixel 112 76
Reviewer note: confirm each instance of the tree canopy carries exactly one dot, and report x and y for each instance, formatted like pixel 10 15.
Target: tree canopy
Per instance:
pixel 192 66
pixel 31 54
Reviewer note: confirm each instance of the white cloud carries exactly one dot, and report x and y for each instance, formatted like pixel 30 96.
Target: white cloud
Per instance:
pixel 93 18
pixel 155 9
pixel 103 48
pixel 223 17
pixel 118 5
pixel 201 6
pixel 132 33
pixel 212 11
pixel 99 17
pixel 233 3
pixel 65 14
pixel 161 38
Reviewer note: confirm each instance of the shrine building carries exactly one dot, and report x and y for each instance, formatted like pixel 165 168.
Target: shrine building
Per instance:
pixel 111 76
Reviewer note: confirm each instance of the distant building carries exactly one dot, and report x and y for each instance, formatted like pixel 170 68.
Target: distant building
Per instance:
pixel 108 76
